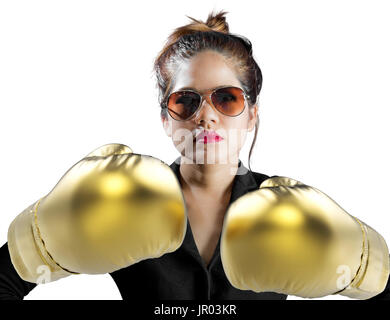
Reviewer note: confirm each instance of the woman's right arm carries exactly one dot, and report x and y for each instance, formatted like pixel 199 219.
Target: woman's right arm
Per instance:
pixel 12 287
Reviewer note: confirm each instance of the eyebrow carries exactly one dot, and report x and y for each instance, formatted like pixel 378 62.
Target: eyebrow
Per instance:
pixel 211 89
pixel 186 88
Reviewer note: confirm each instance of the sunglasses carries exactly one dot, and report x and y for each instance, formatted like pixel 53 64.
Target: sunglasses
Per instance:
pixel 228 100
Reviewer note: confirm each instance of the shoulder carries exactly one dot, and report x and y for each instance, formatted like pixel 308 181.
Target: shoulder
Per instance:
pixel 260 177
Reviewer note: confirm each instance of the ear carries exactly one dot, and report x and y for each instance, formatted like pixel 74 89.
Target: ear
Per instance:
pixel 252 117
pixel 167 124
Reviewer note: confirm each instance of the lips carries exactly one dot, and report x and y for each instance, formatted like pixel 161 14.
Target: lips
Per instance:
pixel 208 136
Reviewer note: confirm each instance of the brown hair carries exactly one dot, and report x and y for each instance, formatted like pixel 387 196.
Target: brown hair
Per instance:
pixel 186 41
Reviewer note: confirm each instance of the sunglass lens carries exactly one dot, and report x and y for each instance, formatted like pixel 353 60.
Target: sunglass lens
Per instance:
pixel 230 101
pixel 182 105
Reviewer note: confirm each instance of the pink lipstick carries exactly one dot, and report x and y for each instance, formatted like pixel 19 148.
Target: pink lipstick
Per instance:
pixel 208 137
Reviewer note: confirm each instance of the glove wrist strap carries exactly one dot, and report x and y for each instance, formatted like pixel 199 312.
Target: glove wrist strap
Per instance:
pixel 30 260
pixel 373 273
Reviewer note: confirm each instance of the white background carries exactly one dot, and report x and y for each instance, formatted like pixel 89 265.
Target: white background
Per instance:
pixel 75 75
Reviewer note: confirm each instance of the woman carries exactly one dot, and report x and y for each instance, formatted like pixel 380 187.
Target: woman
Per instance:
pixel 213 134
pixel 209 84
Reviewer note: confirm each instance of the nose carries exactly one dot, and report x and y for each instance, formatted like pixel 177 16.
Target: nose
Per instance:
pixel 206 115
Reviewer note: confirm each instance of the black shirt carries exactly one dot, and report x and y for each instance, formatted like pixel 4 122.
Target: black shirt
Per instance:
pixel 179 275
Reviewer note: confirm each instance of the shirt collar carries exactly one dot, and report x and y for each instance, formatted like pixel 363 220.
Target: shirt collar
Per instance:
pixel 243 182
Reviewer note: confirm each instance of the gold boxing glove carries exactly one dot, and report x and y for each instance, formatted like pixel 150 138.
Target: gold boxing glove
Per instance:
pixel 110 210
pixel 290 238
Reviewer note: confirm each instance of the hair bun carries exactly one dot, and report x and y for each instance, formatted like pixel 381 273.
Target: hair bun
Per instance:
pixel 215 21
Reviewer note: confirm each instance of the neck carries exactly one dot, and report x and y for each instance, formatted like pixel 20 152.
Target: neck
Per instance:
pixel 208 179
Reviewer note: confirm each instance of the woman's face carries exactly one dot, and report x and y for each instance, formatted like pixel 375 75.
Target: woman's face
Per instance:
pixel 206 71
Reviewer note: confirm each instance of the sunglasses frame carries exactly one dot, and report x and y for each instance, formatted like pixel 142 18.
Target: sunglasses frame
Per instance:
pixel 207 93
